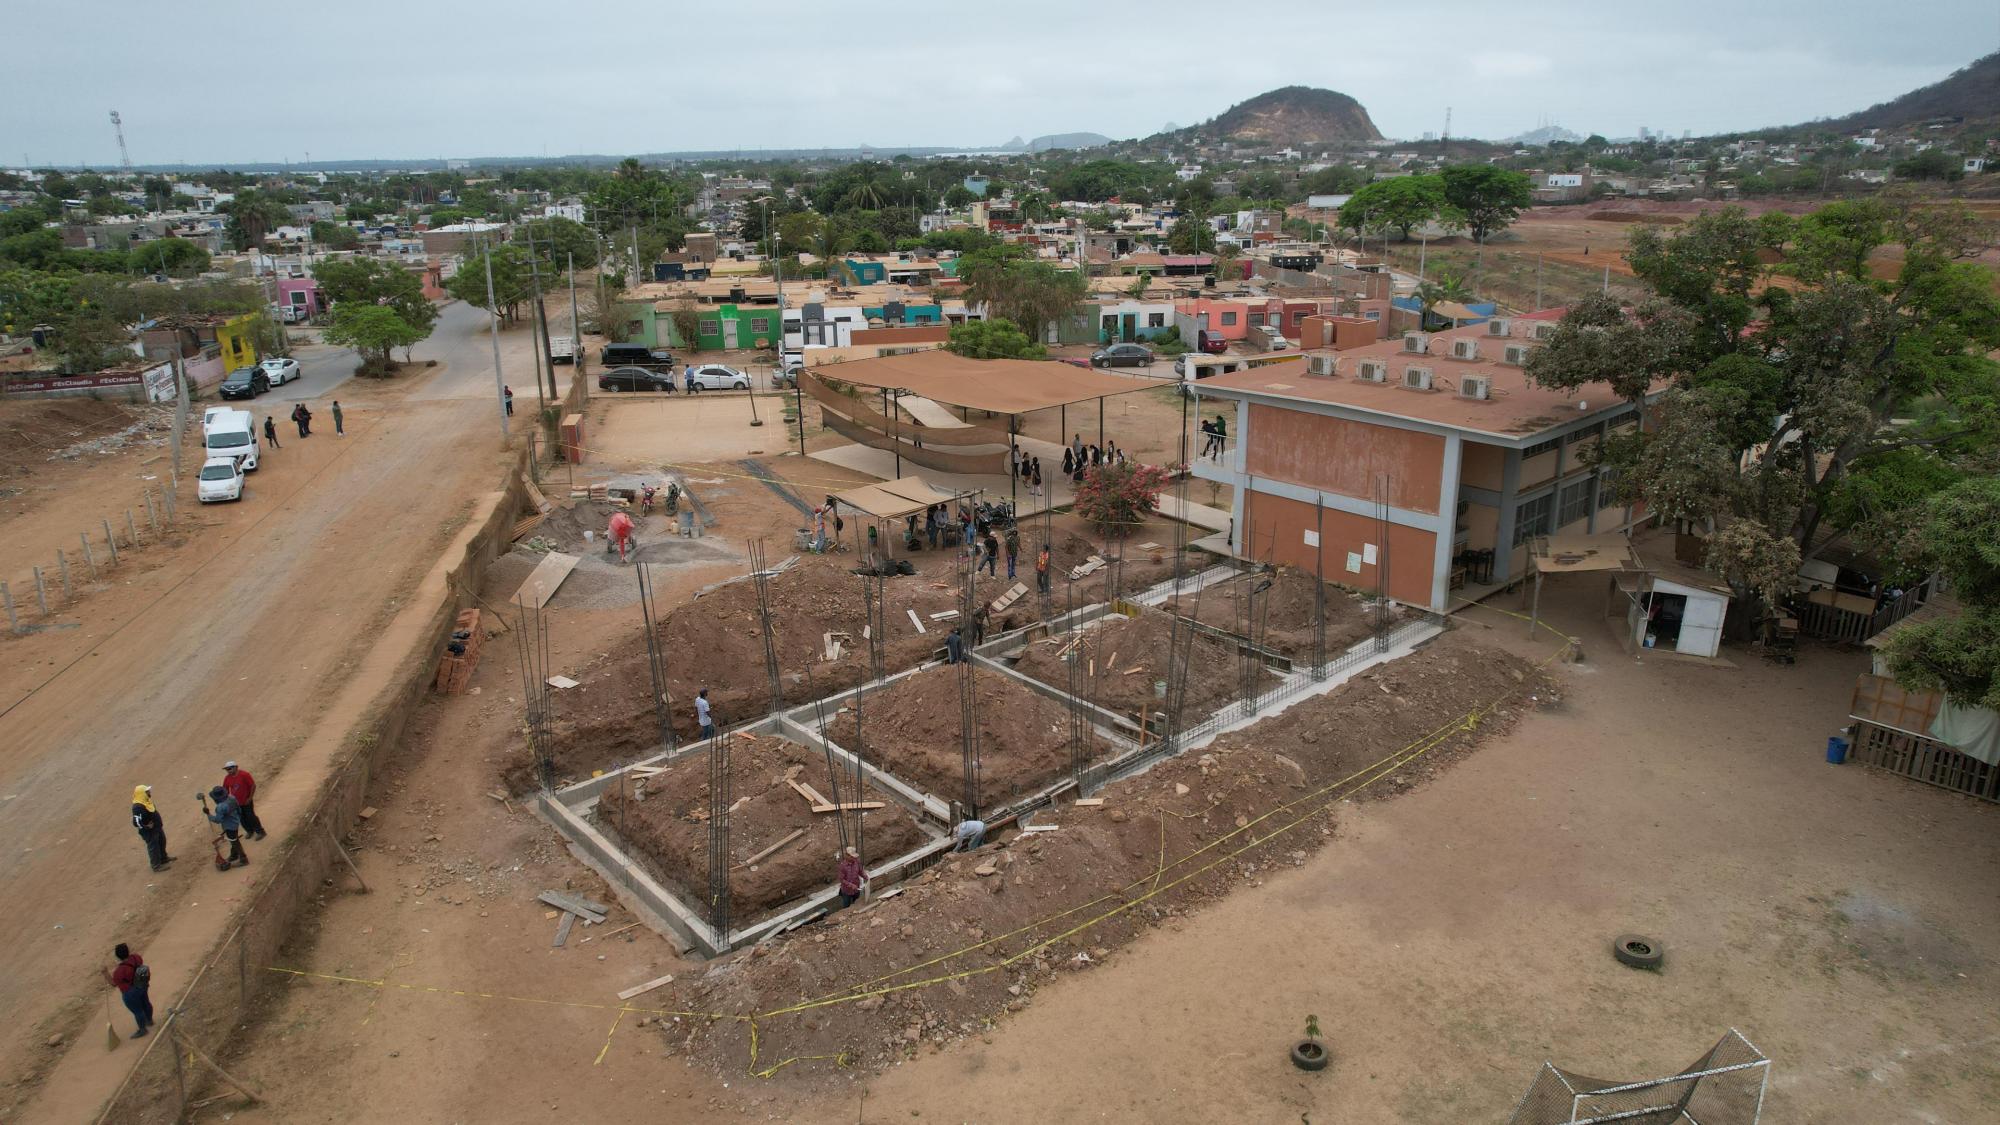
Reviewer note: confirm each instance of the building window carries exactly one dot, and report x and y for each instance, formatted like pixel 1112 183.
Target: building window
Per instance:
pixel 1540 447
pixel 1156 320
pixel 1229 320
pixel 1531 518
pixel 1256 320
pixel 711 326
pixel 760 324
pixel 1575 503
pixel 1607 490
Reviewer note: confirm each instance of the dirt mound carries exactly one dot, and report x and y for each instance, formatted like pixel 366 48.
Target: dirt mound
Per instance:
pixel 912 730
pixel 35 430
pixel 1122 659
pixel 663 820
pixel 1281 616
pixel 1196 812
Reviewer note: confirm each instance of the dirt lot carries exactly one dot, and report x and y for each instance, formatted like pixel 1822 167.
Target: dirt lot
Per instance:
pixel 912 730
pixel 1282 617
pixel 1120 660
pixel 664 820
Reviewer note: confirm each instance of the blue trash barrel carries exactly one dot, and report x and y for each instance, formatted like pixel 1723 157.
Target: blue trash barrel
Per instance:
pixel 1836 750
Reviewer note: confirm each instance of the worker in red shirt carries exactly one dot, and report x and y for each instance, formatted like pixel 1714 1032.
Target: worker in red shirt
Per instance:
pixel 243 787
pixel 134 982
pixel 852 876
pixel 620 532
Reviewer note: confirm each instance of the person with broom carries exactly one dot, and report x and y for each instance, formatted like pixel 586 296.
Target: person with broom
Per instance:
pixel 228 817
pixel 134 981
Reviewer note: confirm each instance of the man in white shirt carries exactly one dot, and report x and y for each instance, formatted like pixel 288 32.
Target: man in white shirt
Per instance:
pixel 702 716
pixel 969 834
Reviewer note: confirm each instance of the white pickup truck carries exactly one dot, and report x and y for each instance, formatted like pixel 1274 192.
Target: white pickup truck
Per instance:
pixel 562 349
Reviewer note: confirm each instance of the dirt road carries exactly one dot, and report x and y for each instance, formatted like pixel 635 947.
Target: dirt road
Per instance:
pixel 245 644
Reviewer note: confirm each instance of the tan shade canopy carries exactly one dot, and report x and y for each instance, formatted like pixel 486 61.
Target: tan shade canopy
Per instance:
pixel 892 499
pixel 1569 554
pixel 1002 386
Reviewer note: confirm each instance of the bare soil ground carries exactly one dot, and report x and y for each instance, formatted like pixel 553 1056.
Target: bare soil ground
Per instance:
pixel 912 729
pixel 664 819
pixel 1282 617
pixel 1120 660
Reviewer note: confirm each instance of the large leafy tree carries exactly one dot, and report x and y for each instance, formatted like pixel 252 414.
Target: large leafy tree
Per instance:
pixel 1405 203
pixel 1954 532
pixel 1029 292
pixel 371 330
pixel 1834 405
pixel 1488 195
pixel 560 241
pixel 370 281
pixel 1191 234
pixel 252 217
pixel 512 283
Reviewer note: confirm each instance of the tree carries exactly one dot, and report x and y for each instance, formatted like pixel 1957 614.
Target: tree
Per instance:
pixel 998 338
pixel 1957 655
pixel 1405 202
pixel 1930 164
pixel 252 217
pixel 1117 498
pixel 1191 234
pixel 1444 285
pixel 561 241
pixel 371 330
pixel 1338 180
pixel 512 282
pixel 1487 195
pixel 1029 292
pixel 168 255
pixel 370 281
pixel 958 197
pixel 1793 417
pixel 334 236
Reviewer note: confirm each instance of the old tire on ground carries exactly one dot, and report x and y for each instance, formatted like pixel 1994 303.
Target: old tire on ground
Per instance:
pixel 1638 951
pixel 1310 1054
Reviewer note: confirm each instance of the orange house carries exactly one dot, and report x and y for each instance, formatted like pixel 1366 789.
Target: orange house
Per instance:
pixel 1423 464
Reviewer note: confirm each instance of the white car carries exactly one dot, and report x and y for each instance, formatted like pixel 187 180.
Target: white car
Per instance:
pixel 716 377
pixel 280 369
pixel 221 479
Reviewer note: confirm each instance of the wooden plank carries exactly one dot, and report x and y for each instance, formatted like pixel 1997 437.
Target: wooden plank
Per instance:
pixel 646 771
pixel 813 796
pixel 548 575
pixel 535 496
pixel 947 615
pixel 914 621
pixel 616 932
pixel 1042 828
pixel 772 850
pixel 562 929
pixel 589 911
pixel 527 525
pixel 640 989
pixel 850 806
pixel 1089 802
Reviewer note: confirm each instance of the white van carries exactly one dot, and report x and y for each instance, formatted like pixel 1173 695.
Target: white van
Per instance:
pixel 230 433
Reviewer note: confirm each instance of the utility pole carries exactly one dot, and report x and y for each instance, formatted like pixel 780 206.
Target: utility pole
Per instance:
pixel 493 321
pixel 575 331
pixel 542 319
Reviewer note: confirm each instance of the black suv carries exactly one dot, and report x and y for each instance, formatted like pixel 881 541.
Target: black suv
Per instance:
pixel 245 382
pixel 634 355
pixel 635 379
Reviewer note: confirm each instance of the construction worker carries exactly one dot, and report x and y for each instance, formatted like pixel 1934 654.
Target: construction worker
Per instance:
pixel 153 830
pixel 227 817
pixel 1013 549
pixel 243 789
pixel 271 432
pixel 134 982
pixel 620 533
pixel 1042 569
pixel 852 877
pixel 990 548
pixel 702 714
pixel 954 648
pixel 969 834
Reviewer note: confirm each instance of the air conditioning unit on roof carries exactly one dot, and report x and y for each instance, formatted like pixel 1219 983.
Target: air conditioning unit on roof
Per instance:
pixel 1498 326
pixel 1515 354
pixel 1372 371
pixel 1544 330
pixel 1417 378
pixel 1465 349
pixel 1413 342
pixel 1322 364
pixel 1475 386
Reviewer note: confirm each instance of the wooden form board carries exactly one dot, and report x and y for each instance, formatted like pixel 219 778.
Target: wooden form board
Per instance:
pixel 640 989
pixel 545 579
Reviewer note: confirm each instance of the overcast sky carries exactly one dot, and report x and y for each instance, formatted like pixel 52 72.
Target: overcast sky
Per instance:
pixel 241 81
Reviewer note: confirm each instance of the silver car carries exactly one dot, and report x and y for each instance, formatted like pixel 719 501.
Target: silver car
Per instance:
pixel 717 377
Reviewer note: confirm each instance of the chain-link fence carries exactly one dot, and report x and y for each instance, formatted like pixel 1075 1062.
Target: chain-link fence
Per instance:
pixel 1723 1087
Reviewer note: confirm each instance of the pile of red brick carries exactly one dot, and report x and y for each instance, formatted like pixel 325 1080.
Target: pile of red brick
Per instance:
pixel 455 669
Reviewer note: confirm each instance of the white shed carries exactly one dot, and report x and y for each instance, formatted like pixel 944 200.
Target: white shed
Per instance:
pixel 1678 608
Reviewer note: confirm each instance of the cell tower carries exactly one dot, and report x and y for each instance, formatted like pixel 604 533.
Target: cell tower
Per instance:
pixel 118 126
pixel 1447 125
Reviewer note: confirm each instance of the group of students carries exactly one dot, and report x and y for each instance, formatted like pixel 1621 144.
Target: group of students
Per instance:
pixel 234 815
pixel 303 419
pixel 1214 436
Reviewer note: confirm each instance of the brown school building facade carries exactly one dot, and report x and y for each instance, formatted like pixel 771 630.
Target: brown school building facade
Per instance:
pixel 1430 454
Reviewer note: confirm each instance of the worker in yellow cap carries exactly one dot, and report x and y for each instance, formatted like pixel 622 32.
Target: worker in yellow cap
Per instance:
pixel 153 830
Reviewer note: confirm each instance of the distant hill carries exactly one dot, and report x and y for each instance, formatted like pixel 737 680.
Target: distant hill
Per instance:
pixel 1547 134
pixel 1292 115
pixel 1067 140
pixel 1971 94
